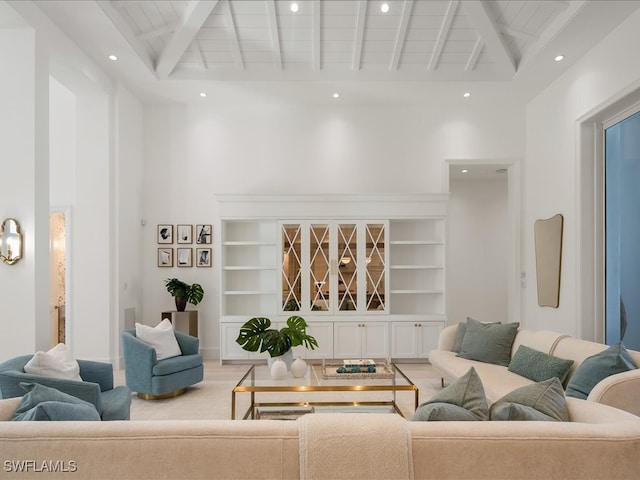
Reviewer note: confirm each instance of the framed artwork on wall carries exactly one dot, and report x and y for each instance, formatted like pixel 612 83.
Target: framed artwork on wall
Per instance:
pixel 165 233
pixel 165 257
pixel 185 234
pixel 184 257
pixel 204 234
pixel 203 257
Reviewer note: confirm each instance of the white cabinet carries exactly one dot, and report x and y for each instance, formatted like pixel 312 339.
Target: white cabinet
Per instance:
pixel 323 333
pixel 230 350
pixel 334 266
pixel 361 340
pixel 414 339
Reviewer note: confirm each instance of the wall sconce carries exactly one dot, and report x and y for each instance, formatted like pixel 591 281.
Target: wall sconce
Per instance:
pixel 10 241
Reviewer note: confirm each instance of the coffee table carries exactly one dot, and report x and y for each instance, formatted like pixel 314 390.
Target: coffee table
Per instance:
pixel 290 391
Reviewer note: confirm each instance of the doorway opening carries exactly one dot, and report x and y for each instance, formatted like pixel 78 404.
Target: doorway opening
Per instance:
pixel 58 273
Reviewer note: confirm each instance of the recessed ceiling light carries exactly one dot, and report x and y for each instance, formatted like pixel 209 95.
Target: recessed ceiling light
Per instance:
pixel 466 95
pixel 559 58
pixel 336 95
pixel 384 8
pixel 294 7
pixel 113 57
pixel 464 170
pixel 203 94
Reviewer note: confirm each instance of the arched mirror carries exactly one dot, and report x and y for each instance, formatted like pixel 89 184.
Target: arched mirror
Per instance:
pixel 10 241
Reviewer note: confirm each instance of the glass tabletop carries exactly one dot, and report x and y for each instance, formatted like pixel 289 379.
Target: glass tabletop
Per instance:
pixel 323 377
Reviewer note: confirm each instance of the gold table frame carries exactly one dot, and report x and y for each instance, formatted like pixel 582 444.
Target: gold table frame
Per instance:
pixel 346 385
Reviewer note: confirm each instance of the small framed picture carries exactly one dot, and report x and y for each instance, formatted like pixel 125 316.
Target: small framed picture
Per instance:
pixel 203 257
pixel 165 257
pixel 184 257
pixel 165 233
pixel 204 234
pixel 185 234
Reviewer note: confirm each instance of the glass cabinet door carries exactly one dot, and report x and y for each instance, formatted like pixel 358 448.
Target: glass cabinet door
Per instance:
pixel 334 267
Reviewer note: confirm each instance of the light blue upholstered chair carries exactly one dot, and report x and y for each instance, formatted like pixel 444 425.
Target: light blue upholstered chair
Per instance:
pixel 154 379
pixel 96 386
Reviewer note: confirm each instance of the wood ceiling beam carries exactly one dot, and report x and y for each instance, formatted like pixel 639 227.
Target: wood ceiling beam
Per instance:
pixel 188 27
pixel 517 33
pixel 235 43
pixel 276 49
pixel 473 58
pixel 156 32
pixel 129 35
pixel 316 16
pixel 488 29
pixel 442 36
pixel 199 56
pixel 357 51
pixel 402 34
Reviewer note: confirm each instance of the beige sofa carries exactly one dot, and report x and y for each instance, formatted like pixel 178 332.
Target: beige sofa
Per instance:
pixel 621 390
pixel 600 442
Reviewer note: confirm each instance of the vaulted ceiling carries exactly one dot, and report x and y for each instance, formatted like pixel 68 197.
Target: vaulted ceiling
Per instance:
pixel 172 42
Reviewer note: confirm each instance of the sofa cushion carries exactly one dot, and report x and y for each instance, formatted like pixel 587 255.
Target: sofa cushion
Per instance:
pixel 460 331
pixel 466 393
pixel 538 366
pixel 38 394
pixel 58 411
pixel 161 337
pixel 539 401
pixel 488 342
pixel 57 362
pixel 615 359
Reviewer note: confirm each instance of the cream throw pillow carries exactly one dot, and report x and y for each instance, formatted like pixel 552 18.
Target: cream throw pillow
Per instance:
pixel 57 363
pixel 161 338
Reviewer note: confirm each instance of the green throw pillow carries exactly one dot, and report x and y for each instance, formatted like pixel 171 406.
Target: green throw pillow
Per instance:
pixel 39 394
pixel 539 401
pixel 614 359
pixel 538 366
pixel 59 411
pixel 464 399
pixel 488 342
pixel 460 331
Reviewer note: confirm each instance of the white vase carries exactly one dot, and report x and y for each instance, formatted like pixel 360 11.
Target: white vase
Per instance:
pixel 299 368
pixel 279 369
pixel 287 358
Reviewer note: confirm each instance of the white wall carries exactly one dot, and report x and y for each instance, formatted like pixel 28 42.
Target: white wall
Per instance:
pixel 477 251
pixel 552 166
pixel 194 153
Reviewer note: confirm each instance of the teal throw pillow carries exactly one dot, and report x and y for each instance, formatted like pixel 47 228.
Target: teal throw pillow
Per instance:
pixel 464 399
pixel 59 411
pixel 539 401
pixel 488 342
pixel 538 366
pixel 615 359
pixel 460 331
pixel 38 394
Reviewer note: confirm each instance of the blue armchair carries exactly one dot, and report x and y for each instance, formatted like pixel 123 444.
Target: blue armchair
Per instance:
pixel 155 379
pixel 96 386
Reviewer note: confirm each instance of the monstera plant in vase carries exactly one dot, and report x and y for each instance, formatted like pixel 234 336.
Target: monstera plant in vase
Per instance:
pixel 184 293
pixel 257 336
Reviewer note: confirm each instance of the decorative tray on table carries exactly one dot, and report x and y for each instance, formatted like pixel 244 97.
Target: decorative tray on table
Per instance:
pixel 350 369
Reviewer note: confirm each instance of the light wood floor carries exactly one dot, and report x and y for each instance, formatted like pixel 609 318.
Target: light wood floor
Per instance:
pixel 211 399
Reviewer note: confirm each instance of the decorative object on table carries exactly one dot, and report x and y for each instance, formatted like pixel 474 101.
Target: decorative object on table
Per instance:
pixel 256 336
pixel 185 257
pixel 185 233
pixel 299 368
pixel 204 234
pixel 279 369
pixel 203 257
pixel 165 233
pixel 348 370
pixel 184 293
pixel 548 242
pixel 165 257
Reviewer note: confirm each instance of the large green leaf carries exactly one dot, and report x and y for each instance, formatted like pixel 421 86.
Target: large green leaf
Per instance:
pixel 296 330
pixel 252 334
pixel 255 335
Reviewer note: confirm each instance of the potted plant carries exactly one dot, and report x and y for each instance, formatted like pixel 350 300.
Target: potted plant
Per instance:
pixel 184 293
pixel 255 335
